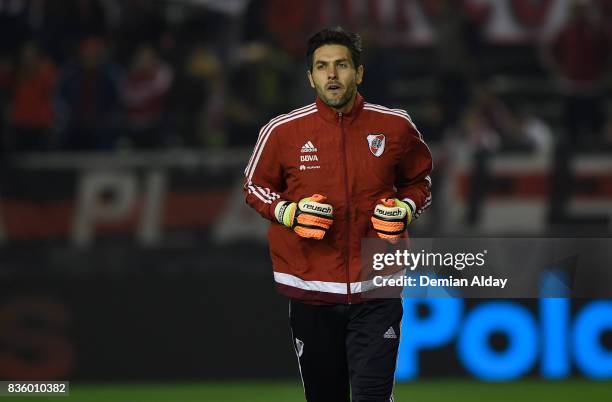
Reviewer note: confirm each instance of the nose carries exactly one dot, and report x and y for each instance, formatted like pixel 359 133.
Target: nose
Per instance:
pixel 332 71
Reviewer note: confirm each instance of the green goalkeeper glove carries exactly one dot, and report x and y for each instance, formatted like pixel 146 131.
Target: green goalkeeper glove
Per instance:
pixel 390 218
pixel 310 217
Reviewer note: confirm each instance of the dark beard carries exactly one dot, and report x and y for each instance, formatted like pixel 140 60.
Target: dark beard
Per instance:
pixel 341 102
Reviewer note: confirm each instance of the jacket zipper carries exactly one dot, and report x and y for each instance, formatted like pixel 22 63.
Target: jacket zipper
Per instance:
pixel 348 212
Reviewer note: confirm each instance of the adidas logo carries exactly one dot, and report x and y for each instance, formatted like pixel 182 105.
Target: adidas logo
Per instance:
pixel 308 147
pixel 390 334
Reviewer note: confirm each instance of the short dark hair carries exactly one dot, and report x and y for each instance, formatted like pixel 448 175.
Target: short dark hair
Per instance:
pixel 334 36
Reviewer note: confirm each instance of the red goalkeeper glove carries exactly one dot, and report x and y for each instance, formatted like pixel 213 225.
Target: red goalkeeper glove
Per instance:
pixel 390 218
pixel 310 217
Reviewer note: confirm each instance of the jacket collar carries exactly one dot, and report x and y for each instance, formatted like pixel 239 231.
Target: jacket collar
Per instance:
pixel 330 115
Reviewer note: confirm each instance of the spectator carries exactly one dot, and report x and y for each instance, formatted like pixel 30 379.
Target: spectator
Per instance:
pixel 200 99
pixel 483 126
pixel 457 48
pixel 33 115
pixel 482 140
pixel 579 55
pixel 514 129
pixel 260 88
pixel 89 99
pixel 144 94
pixel 528 132
pixel 494 112
pixel 478 130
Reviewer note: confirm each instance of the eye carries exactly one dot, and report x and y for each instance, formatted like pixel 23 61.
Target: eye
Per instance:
pixel 343 65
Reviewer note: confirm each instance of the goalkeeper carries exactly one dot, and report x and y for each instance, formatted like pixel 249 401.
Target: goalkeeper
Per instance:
pixel 327 175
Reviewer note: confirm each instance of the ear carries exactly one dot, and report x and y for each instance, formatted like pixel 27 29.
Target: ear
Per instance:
pixel 310 79
pixel 359 76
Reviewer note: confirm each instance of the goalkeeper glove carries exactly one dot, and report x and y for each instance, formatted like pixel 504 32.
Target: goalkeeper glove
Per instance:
pixel 391 217
pixel 309 218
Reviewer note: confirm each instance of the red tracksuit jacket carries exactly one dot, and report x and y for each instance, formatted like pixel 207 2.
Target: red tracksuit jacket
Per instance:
pixel 354 159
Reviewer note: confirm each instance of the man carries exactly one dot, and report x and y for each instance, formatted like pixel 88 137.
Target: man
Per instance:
pixel 328 175
pixel 579 54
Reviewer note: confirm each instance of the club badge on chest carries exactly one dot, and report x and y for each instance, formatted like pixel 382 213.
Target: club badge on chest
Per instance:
pixel 376 143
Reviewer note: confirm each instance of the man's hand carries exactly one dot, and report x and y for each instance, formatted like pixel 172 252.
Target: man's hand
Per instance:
pixel 310 217
pixel 390 218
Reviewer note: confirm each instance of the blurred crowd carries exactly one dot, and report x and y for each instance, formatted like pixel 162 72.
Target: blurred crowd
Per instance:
pixel 135 74
pixel 139 74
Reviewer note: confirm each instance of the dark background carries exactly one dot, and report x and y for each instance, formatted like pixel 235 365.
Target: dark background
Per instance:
pixel 126 250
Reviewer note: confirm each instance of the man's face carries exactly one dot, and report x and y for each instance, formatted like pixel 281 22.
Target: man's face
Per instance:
pixel 334 76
